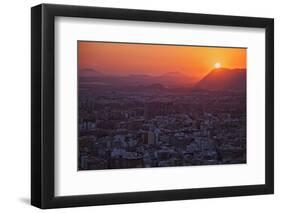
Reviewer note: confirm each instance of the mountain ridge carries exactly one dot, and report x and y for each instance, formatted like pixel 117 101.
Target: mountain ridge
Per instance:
pixel 223 79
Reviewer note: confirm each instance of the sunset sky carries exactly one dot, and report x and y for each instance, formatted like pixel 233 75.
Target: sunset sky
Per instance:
pixel 127 58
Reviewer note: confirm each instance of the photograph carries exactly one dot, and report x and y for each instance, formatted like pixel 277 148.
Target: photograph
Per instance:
pixel 140 105
pixel 144 105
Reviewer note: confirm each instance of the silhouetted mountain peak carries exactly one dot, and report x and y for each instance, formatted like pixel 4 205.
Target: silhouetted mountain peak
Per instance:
pixel 223 79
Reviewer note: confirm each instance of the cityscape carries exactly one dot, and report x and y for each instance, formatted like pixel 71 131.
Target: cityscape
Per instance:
pixel 162 119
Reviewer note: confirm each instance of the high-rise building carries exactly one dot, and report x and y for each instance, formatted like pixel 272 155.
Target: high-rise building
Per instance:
pixel 149 138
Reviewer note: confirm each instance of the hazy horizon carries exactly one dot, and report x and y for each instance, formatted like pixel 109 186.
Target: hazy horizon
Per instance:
pixel 108 73
pixel 125 59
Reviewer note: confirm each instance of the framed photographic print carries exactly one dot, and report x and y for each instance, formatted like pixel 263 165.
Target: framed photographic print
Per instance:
pixel 139 106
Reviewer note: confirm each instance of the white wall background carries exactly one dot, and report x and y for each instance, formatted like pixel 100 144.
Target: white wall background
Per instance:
pixel 15 105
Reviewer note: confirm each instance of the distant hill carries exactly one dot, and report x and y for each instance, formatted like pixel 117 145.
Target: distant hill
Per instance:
pixel 89 72
pixel 169 79
pixel 176 79
pixel 223 79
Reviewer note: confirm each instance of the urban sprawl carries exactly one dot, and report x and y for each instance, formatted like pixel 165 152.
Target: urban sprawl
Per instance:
pixel 160 127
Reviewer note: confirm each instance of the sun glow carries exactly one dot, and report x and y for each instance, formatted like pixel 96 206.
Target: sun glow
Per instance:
pixel 217 65
pixel 115 58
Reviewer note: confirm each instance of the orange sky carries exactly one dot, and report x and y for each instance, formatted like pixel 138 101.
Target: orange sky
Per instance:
pixel 128 58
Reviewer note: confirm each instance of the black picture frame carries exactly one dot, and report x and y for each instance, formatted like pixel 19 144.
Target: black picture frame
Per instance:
pixel 43 111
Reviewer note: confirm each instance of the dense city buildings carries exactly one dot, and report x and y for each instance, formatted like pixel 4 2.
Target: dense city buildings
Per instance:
pixel 155 126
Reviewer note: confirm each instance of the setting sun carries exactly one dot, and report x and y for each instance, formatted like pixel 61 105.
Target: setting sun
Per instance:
pixel 113 58
pixel 217 65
